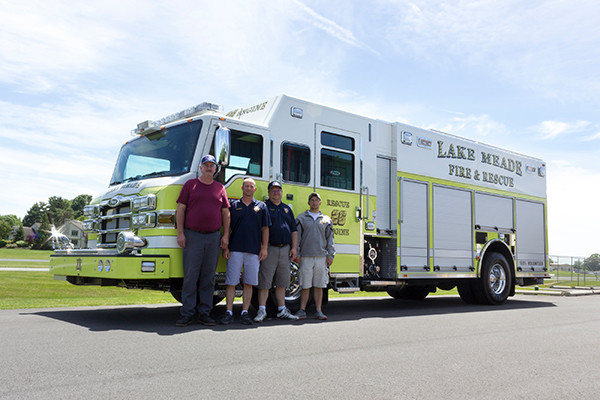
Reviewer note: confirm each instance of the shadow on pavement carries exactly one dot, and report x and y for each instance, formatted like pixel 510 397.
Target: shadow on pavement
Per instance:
pixel 161 319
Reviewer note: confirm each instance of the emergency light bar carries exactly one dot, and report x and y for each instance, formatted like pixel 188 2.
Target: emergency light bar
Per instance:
pixel 153 126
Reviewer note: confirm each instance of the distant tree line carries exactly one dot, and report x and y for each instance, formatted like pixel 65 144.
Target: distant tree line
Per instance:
pixel 52 213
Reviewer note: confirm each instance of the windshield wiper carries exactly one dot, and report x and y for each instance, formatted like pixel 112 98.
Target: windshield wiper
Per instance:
pixel 148 175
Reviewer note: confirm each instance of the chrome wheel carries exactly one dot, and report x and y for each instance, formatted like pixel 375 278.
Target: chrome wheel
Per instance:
pixel 292 292
pixel 497 279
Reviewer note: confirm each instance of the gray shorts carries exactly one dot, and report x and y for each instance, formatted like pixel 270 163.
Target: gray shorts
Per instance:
pixel 250 264
pixel 313 271
pixel 275 269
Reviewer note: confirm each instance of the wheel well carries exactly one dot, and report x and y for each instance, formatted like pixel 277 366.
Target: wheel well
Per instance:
pixel 498 246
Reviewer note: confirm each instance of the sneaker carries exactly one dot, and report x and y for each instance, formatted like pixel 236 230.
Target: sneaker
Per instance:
pixel 205 319
pixel 245 319
pixel 320 315
pixel 286 314
pixel 301 314
pixel 183 321
pixel 227 319
pixel 261 315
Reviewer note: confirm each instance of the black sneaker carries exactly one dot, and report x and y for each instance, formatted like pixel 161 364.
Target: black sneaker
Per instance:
pixel 183 321
pixel 227 319
pixel 205 319
pixel 245 319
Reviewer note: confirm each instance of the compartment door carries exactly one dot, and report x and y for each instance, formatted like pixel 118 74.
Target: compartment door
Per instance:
pixel 413 225
pixel 452 230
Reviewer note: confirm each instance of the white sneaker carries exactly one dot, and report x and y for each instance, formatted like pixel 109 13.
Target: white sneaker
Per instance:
pixel 261 315
pixel 286 314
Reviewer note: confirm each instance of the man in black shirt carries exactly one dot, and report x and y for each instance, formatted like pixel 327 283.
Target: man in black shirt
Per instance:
pixel 283 241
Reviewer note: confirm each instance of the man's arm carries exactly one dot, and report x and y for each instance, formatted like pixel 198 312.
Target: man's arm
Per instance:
pixel 330 245
pixel 226 218
pixel 180 220
pixel 265 243
pixel 293 248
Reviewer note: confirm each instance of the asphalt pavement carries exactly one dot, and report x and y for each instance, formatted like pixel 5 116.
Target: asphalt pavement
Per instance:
pixel 533 347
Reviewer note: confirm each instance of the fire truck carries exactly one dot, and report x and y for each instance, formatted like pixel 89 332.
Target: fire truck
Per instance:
pixel 413 209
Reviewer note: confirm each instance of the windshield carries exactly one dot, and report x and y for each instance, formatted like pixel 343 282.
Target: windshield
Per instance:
pixel 167 152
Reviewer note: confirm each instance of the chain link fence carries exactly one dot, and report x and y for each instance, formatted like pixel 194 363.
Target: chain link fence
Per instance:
pixel 569 270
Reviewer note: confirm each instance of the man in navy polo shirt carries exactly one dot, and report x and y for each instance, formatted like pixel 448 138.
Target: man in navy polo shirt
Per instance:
pixel 248 245
pixel 275 269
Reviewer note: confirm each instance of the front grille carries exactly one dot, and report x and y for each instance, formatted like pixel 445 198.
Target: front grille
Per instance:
pixel 113 219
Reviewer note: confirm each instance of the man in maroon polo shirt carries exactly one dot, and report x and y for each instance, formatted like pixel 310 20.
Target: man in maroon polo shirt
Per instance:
pixel 202 209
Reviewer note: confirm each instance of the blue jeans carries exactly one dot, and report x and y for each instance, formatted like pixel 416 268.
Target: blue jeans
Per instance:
pixel 200 258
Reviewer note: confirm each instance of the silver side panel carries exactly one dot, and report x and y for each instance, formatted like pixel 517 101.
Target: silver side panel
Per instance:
pixel 531 244
pixel 413 225
pixel 493 211
pixel 452 229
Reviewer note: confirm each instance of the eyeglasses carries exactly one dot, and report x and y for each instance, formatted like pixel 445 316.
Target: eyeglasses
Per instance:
pixel 275 191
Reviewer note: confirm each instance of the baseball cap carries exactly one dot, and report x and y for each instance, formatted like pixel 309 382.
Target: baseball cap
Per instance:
pixel 314 194
pixel 274 184
pixel 208 158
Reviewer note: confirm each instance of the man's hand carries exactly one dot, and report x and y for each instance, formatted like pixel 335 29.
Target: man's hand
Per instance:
pixel 329 261
pixel 226 253
pixel 181 240
pixel 263 254
pixel 293 252
pixel 224 242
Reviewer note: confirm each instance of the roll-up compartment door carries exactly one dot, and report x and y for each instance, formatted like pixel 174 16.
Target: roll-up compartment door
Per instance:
pixel 452 229
pixel 531 244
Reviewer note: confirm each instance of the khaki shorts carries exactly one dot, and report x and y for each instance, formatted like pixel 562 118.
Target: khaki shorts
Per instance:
pixel 275 269
pixel 313 271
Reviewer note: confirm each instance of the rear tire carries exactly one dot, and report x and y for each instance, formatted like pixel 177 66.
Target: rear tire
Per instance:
pixel 495 281
pixel 409 292
pixel 465 291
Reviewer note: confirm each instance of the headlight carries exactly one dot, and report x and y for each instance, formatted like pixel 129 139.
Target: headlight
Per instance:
pixel 90 225
pixel 144 202
pixel 146 220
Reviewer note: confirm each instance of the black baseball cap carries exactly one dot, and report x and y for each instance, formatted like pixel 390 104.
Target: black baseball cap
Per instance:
pixel 274 184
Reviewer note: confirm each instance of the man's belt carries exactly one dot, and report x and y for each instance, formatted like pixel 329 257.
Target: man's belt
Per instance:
pixel 278 244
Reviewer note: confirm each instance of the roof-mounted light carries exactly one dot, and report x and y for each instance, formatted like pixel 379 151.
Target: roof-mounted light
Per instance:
pixel 146 127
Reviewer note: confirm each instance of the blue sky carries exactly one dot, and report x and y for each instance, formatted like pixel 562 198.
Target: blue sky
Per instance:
pixel 75 78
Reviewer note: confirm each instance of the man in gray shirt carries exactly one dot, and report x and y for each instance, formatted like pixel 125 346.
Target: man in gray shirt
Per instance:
pixel 316 250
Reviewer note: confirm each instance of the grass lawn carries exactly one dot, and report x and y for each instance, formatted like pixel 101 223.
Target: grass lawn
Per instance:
pixel 39 290
pixel 25 254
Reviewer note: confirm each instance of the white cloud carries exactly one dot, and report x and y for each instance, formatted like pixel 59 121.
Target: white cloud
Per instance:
pixel 332 28
pixel 476 127
pixel 552 129
pixel 549 47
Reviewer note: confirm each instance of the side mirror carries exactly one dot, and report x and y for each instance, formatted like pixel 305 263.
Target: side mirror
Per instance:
pixel 222 145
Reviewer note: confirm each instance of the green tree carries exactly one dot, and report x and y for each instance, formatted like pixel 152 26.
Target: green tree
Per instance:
pixel 42 241
pixel 20 233
pixel 59 210
pixel 78 203
pixel 593 262
pixel 12 219
pixel 5 229
pixel 35 214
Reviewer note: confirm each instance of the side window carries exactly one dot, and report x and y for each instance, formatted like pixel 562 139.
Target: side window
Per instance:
pixel 337 167
pixel 246 156
pixel 295 163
